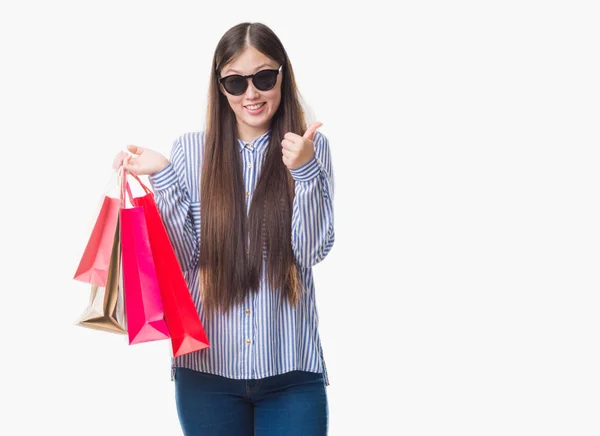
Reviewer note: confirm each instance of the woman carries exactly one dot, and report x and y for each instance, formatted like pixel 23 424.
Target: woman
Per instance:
pixel 261 184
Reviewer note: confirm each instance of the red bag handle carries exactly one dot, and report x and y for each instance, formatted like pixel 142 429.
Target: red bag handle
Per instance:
pixel 125 186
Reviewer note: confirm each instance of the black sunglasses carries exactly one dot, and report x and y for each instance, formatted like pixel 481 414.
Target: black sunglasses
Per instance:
pixel 263 80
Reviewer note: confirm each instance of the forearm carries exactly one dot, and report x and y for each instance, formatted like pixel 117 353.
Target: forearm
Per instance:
pixel 313 232
pixel 173 202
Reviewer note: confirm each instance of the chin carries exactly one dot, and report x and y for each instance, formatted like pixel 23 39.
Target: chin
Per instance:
pixel 256 122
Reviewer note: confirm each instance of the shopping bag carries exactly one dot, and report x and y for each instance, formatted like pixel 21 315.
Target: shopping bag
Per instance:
pixel 93 266
pixel 185 328
pixel 143 303
pixel 106 308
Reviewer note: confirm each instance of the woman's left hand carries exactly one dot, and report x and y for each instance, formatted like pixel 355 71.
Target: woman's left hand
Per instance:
pixel 298 150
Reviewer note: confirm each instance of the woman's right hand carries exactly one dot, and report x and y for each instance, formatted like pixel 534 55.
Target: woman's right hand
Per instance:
pixel 144 161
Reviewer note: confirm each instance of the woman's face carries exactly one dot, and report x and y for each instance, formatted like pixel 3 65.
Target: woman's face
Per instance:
pixel 252 123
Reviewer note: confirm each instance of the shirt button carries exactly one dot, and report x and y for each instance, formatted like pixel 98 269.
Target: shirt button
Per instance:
pixel 247 311
pixel 248 341
pixel 249 165
pixel 247 193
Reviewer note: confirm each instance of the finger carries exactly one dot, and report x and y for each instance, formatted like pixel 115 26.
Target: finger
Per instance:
pixel 290 136
pixel 287 153
pixel 135 149
pixel 310 132
pixel 127 163
pixel 118 160
pixel 286 143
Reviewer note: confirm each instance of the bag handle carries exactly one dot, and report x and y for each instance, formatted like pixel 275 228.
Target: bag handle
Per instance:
pixel 124 186
pixel 148 191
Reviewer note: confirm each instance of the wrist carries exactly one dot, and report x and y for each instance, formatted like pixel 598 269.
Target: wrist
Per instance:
pixel 163 178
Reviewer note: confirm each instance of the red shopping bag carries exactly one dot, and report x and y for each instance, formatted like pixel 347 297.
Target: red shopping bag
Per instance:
pixel 94 264
pixel 143 302
pixel 185 328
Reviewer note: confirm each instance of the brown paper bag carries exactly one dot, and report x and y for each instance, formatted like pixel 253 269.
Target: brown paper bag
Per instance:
pixel 106 308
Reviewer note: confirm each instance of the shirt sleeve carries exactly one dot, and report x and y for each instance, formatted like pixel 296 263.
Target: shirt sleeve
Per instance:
pixel 312 217
pixel 172 197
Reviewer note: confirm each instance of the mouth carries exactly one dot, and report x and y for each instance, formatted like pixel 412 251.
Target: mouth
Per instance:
pixel 254 109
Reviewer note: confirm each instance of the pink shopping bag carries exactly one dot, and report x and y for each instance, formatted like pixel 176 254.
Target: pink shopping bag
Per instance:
pixel 185 328
pixel 143 303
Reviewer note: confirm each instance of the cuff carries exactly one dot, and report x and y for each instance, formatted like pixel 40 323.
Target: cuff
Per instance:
pixel 307 171
pixel 163 178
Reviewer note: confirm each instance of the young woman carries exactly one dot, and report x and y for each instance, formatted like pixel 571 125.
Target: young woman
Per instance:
pixel 248 205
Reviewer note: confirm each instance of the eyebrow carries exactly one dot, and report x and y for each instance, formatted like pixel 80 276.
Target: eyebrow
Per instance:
pixel 257 68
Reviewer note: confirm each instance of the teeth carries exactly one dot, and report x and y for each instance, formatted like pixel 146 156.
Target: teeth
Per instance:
pixel 255 106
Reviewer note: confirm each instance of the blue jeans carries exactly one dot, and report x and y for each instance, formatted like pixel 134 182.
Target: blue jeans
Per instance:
pixel 290 404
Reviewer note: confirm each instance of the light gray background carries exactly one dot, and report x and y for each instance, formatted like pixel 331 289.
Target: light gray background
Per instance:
pixel 461 295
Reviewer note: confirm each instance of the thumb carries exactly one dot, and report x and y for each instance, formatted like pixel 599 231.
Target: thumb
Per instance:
pixel 135 149
pixel 310 132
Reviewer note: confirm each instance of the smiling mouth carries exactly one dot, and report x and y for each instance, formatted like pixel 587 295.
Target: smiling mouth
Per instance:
pixel 254 106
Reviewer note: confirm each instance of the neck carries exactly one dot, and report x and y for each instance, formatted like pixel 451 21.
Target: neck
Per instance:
pixel 249 133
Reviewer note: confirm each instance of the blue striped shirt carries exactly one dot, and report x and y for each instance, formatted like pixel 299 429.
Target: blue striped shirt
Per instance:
pixel 263 336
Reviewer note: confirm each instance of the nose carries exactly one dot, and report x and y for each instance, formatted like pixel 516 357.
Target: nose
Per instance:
pixel 251 91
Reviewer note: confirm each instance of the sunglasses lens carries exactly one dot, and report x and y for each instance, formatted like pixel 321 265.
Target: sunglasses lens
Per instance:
pixel 235 85
pixel 265 80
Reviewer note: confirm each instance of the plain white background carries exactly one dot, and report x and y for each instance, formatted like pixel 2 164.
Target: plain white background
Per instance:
pixel 461 295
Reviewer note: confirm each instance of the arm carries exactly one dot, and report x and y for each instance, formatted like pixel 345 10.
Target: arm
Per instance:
pixel 172 197
pixel 312 218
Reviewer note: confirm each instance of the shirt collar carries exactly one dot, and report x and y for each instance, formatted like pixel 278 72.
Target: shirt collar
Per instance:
pixel 259 144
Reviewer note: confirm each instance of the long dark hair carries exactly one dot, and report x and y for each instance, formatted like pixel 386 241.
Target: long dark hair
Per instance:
pixel 227 272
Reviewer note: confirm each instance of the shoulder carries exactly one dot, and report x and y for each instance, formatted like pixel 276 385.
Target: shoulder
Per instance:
pixel 323 152
pixel 186 154
pixel 190 147
pixel 321 143
pixel 320 139
pixel 190 140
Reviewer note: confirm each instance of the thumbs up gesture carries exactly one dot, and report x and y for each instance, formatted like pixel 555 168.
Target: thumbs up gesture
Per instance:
pixel 297 150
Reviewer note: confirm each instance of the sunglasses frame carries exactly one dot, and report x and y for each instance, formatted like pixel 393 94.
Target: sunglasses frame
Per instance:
pixel 222 80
